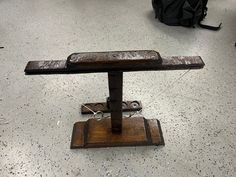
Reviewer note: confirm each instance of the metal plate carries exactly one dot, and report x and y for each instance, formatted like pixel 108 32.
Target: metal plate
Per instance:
pixel 127 106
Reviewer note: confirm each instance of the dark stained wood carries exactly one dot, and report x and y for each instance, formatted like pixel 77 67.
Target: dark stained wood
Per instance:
pixel 60 66
pixel 134 133
pixel 114 60
pixel 154 132
pixel 127 106
pixel 115 131
pixel 78 136
pixel 113 57
pixel 115 82
pixel 46 67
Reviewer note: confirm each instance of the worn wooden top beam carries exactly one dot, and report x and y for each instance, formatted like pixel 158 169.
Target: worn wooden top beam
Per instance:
pixel 114 61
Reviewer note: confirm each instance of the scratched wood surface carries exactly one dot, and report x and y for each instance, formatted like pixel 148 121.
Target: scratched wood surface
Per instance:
pixel 136 131
pixel 84 64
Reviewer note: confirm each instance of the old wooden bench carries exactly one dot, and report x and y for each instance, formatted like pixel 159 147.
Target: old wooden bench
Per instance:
pixel 115 130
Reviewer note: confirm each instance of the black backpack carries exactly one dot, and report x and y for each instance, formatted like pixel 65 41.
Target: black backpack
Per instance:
pixel 182 12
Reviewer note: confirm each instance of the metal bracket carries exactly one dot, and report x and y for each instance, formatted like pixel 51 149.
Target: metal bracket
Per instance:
pixel 127 106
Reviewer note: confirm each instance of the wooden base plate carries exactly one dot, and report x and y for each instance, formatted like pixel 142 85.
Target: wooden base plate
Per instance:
pixel 136 131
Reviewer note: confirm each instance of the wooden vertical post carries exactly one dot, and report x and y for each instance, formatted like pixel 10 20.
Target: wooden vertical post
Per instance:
pixel 115 80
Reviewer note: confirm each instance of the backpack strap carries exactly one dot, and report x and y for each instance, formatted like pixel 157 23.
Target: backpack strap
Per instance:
pixel 204 13
pixel 214 28
pixel 158 8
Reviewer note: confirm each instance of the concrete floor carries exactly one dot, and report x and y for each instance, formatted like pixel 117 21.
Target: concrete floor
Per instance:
pixel 197 112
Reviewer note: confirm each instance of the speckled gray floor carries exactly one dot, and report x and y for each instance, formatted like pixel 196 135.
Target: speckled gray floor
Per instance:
pixel 197 113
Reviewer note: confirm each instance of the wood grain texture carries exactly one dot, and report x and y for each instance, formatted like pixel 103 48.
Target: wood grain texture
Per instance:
pixel 136 131
pixel 114 60
pixel 62 67
pixel 114 57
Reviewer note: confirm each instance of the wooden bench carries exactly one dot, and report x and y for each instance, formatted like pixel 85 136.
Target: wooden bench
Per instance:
pixel 115 130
